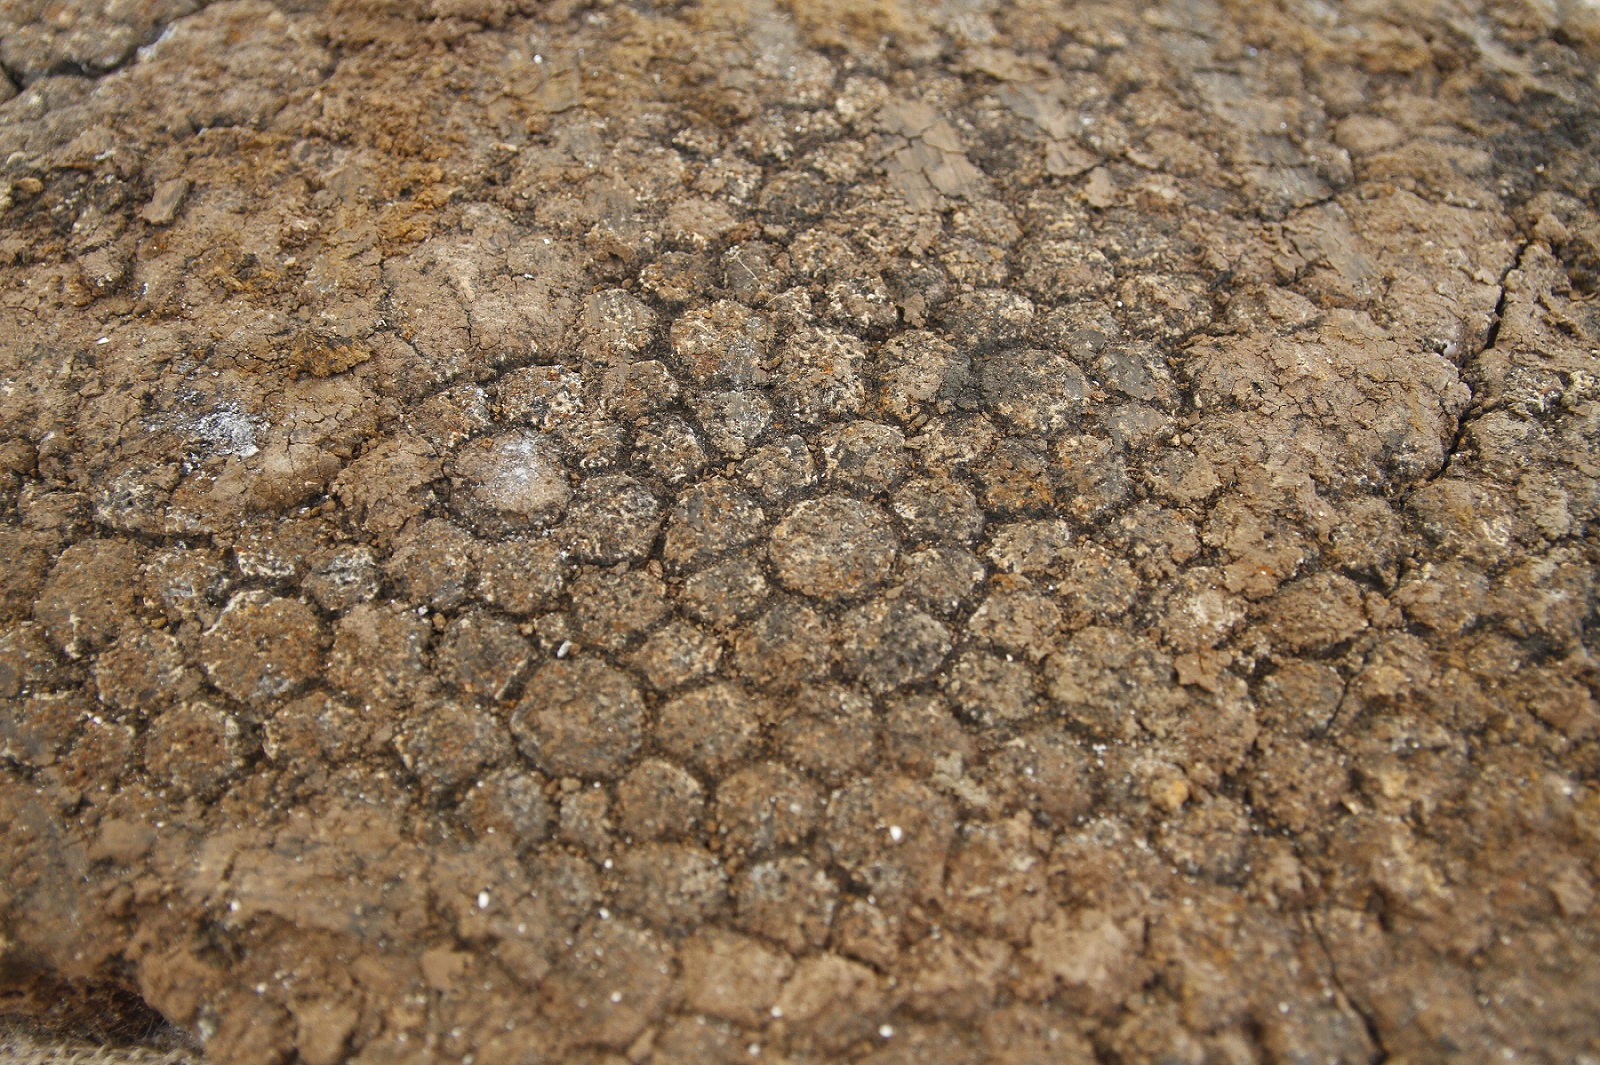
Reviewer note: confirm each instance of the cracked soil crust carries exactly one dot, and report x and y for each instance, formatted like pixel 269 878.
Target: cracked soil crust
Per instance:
pixel 968 532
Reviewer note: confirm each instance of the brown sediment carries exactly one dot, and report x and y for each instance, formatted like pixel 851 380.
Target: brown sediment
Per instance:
pixel 668 532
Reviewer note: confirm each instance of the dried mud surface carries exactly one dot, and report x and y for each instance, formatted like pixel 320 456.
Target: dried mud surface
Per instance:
pixel 971 532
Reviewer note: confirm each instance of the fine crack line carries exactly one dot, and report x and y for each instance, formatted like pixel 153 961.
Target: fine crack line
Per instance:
pixel 1367 1020
pixel 1475 409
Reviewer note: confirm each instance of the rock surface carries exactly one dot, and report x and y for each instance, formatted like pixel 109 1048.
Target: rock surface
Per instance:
pixel 989 532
